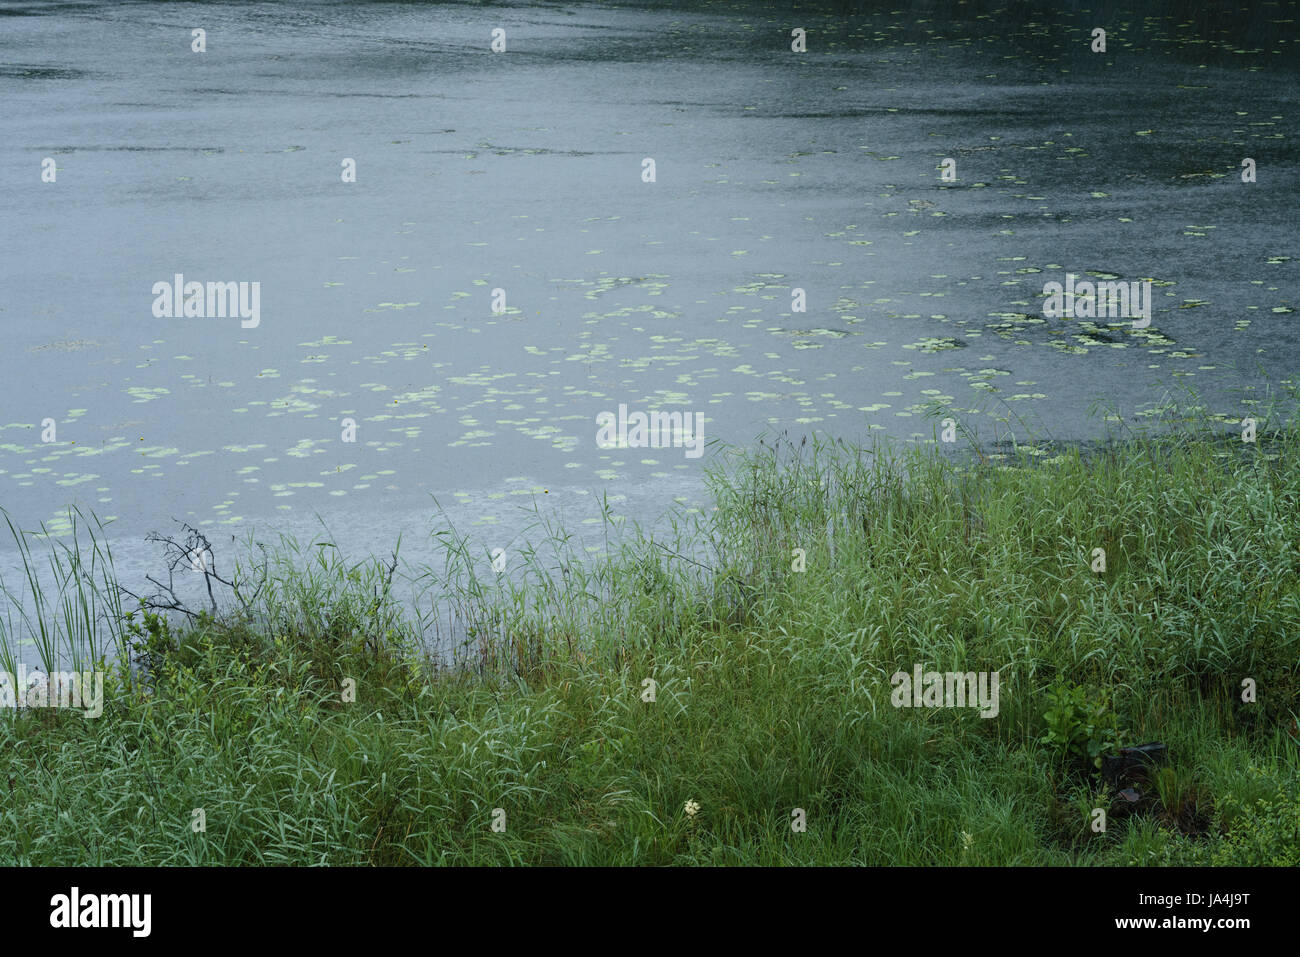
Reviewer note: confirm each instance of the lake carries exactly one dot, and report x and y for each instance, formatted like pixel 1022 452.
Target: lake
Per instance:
pixel 504 269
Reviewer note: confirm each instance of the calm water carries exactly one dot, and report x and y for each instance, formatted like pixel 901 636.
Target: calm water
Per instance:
pixel 522 170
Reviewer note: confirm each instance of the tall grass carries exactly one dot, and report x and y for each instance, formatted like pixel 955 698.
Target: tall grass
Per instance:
pixel 771 685
pixel 69 606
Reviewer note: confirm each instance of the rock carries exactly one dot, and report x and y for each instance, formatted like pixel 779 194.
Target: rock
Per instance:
pixel 1131 765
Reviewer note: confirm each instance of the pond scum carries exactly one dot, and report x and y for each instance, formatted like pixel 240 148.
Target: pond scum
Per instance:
pixel 720 695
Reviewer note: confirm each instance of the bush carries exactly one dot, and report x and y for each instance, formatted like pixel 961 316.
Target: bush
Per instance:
pixel 1265 833
pixel 1080 724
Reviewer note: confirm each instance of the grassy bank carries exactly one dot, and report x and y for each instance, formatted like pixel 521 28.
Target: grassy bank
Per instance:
pixel 771 685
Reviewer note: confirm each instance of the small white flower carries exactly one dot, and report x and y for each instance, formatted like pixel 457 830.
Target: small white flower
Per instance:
pixel 692 808
pixel 966 841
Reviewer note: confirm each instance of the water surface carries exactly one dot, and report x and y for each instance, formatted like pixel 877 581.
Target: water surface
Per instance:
pixel 522 170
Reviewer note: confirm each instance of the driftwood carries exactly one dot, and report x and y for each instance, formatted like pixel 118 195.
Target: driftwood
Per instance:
pixel 193 553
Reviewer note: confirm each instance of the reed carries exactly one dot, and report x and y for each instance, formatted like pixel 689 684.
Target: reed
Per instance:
pixel 771 684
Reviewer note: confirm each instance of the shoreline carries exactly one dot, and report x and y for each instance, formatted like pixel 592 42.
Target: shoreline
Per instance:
pixel 597 703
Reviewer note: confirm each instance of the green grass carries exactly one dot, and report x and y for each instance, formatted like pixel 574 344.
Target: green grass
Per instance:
pixel 772 687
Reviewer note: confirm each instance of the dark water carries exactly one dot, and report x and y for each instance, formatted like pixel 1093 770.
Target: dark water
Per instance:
pixel 522 170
